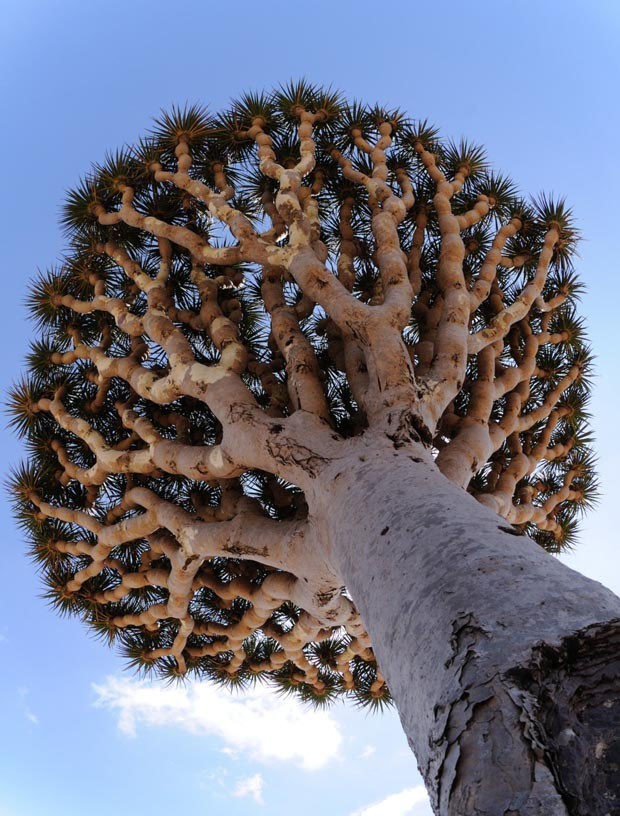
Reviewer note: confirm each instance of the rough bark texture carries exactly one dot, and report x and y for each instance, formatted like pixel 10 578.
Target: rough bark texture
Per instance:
pixel 504 663
pixel 298 358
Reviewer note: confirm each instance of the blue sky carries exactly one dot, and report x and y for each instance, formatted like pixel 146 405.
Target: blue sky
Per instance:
pixel 537 86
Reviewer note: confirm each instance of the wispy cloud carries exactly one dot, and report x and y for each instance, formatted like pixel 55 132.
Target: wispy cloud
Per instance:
pixel 258 723
pixel 368 751
pixel 409 802
pixel 213 776
pixel 251 786
pixel 22 693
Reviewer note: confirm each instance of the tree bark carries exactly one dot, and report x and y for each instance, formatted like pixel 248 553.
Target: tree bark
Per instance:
pixel 504 664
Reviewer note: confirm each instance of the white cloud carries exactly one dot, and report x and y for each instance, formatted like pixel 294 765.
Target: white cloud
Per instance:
pixel 264 726
pixel 400 804
pixel 251 786
pixel 368 751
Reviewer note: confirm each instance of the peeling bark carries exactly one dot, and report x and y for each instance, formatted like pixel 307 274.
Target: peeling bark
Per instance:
pixel 494 664
pixel 575 686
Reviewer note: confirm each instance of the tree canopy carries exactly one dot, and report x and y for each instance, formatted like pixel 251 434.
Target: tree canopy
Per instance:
pixel 300 258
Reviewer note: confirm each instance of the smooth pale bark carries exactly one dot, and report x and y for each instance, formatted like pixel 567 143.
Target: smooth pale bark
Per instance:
pixel 494 651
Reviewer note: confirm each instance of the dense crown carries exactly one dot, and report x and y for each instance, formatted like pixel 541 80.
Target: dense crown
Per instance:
pixel 239 287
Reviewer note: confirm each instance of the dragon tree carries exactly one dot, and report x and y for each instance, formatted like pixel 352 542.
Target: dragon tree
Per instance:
pixel 308 404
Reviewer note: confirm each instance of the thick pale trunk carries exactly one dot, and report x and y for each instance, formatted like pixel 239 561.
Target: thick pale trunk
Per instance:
pixel 504 664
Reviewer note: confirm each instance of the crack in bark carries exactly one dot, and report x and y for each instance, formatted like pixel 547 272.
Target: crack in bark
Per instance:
pixel 245 550
pixel 239 412
pixel 289 452
pixel 510 530
pixel 410 428
pixel 189 561
pixel 464 624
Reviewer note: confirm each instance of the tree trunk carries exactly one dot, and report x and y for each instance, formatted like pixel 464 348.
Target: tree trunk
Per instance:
pixel 504 664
